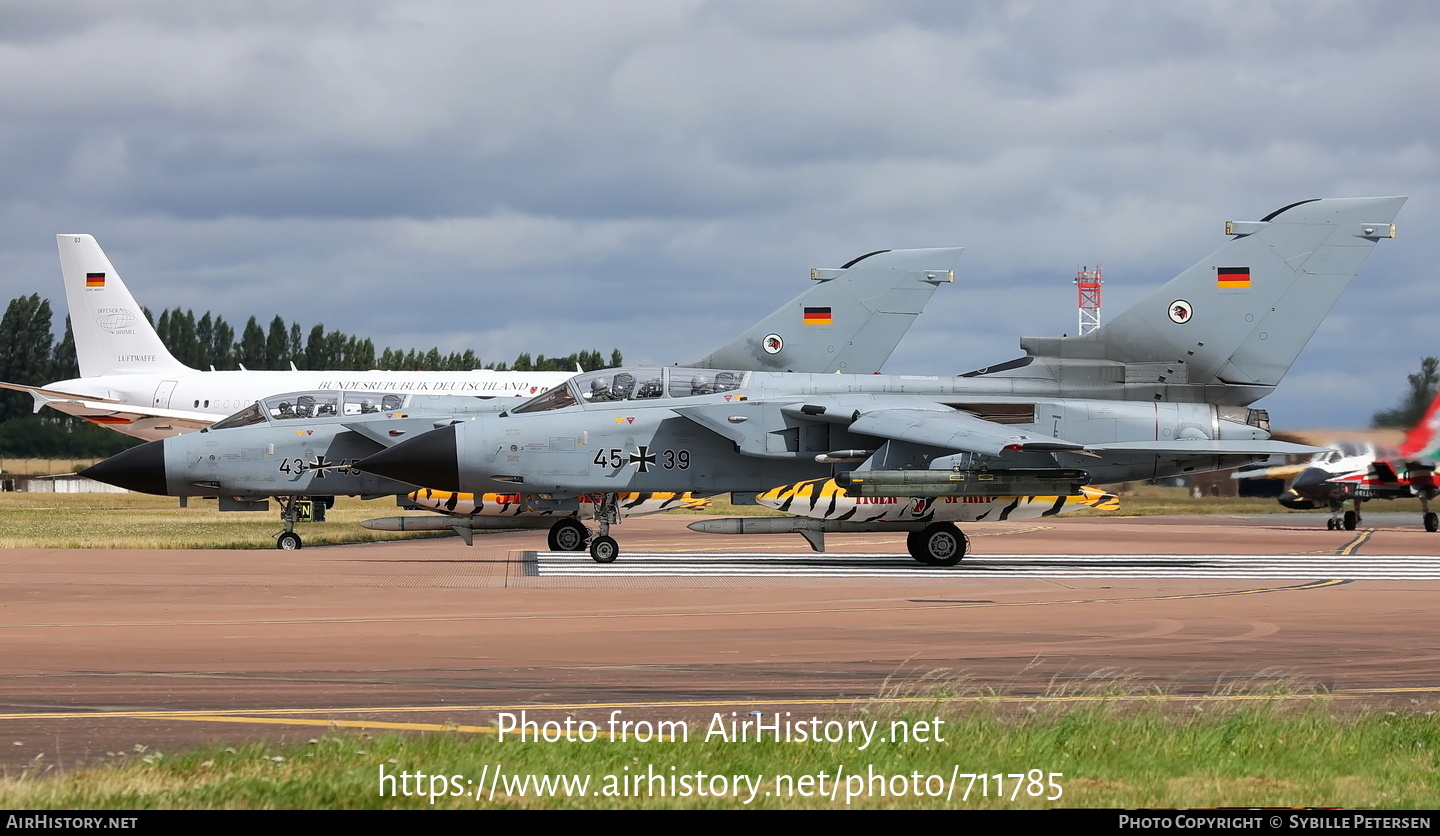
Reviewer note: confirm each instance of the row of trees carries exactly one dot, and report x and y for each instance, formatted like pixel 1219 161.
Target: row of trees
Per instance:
pixel 30 355
pixel 210 343
pixel 1421 391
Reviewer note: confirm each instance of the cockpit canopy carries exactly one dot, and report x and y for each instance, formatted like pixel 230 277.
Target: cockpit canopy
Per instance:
pixel 322 403
pixel 1348 450
pixel 641 383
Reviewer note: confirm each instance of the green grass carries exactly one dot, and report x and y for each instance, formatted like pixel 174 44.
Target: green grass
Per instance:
pixel 1151 500
pixel 140 521
pixel 1116 753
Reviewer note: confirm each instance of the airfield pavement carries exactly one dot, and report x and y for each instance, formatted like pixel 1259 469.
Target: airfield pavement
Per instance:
pixel 101 650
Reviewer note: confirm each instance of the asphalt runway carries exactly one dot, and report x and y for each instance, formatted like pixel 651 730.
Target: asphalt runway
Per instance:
pixel 102 651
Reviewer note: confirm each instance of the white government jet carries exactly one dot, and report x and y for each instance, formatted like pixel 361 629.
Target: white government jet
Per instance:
pixel 850 320
pixel 131 383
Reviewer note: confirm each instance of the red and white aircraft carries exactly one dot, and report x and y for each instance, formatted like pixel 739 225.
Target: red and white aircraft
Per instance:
pixel 1355 473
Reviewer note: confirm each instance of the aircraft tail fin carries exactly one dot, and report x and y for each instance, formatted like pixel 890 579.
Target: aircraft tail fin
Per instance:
pixel 849 321
pixel 1423 440
pixel 1235 322
pixel 112 335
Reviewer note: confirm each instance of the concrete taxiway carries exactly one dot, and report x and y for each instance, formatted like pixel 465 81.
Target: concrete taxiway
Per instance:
pixel 103 650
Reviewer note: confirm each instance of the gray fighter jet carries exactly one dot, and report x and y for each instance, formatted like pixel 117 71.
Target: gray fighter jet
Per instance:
pixel 1163 389
pixel 301 445
pixel 294 447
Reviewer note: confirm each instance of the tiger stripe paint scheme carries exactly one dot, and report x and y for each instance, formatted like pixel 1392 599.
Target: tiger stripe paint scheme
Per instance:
pixel 823 499
pixel 514 504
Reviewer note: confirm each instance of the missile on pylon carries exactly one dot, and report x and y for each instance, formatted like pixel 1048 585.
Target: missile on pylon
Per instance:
pixel 463 526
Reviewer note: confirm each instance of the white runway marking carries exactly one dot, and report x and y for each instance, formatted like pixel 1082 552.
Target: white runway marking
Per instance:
pixel 1303 567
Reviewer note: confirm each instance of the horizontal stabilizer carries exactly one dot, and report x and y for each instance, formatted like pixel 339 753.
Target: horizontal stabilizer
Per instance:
pixel 54 394
pixel 110 412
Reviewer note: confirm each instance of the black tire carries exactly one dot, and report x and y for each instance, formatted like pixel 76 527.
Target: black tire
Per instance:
pixel 604 550
pixel 568 535
pixel 940 544
pixel 1332 524
pixel 914 546
pixel 289 541
pixel 1352 518
pixel 1432 522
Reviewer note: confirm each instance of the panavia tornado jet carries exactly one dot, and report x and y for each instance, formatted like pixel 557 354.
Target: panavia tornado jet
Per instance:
pixel 1162 389
pixel 821 505
pixel 302 444
pixel 290 447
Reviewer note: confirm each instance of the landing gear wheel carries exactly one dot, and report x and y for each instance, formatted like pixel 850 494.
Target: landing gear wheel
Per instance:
pixel 289 541
pixel 1352 518
pixel 604 549
pixel 939 544
pixel 568 535
pixel 1332 524
pixel 1432 522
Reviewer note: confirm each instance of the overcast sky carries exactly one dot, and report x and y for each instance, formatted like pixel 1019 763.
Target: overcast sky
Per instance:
pixel 654 176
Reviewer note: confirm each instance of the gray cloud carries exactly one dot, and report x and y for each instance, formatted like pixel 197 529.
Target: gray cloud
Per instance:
pixel 654 175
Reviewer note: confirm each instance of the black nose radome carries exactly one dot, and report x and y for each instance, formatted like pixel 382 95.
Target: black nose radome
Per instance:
pixel 1310 478
pixel 137 469
pixel 427 461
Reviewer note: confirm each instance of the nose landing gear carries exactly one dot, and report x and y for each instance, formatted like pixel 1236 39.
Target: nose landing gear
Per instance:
pixel 604 549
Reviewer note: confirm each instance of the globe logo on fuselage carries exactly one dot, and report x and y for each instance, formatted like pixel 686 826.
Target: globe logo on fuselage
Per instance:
pixel 116 321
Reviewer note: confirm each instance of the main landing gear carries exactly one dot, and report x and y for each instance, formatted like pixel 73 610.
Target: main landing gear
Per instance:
pixel 1349 520
pixel 568 535
pixel 1346 520
pixel 938 544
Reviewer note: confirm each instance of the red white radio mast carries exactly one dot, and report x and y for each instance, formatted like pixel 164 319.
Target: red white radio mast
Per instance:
pixel 1088 284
